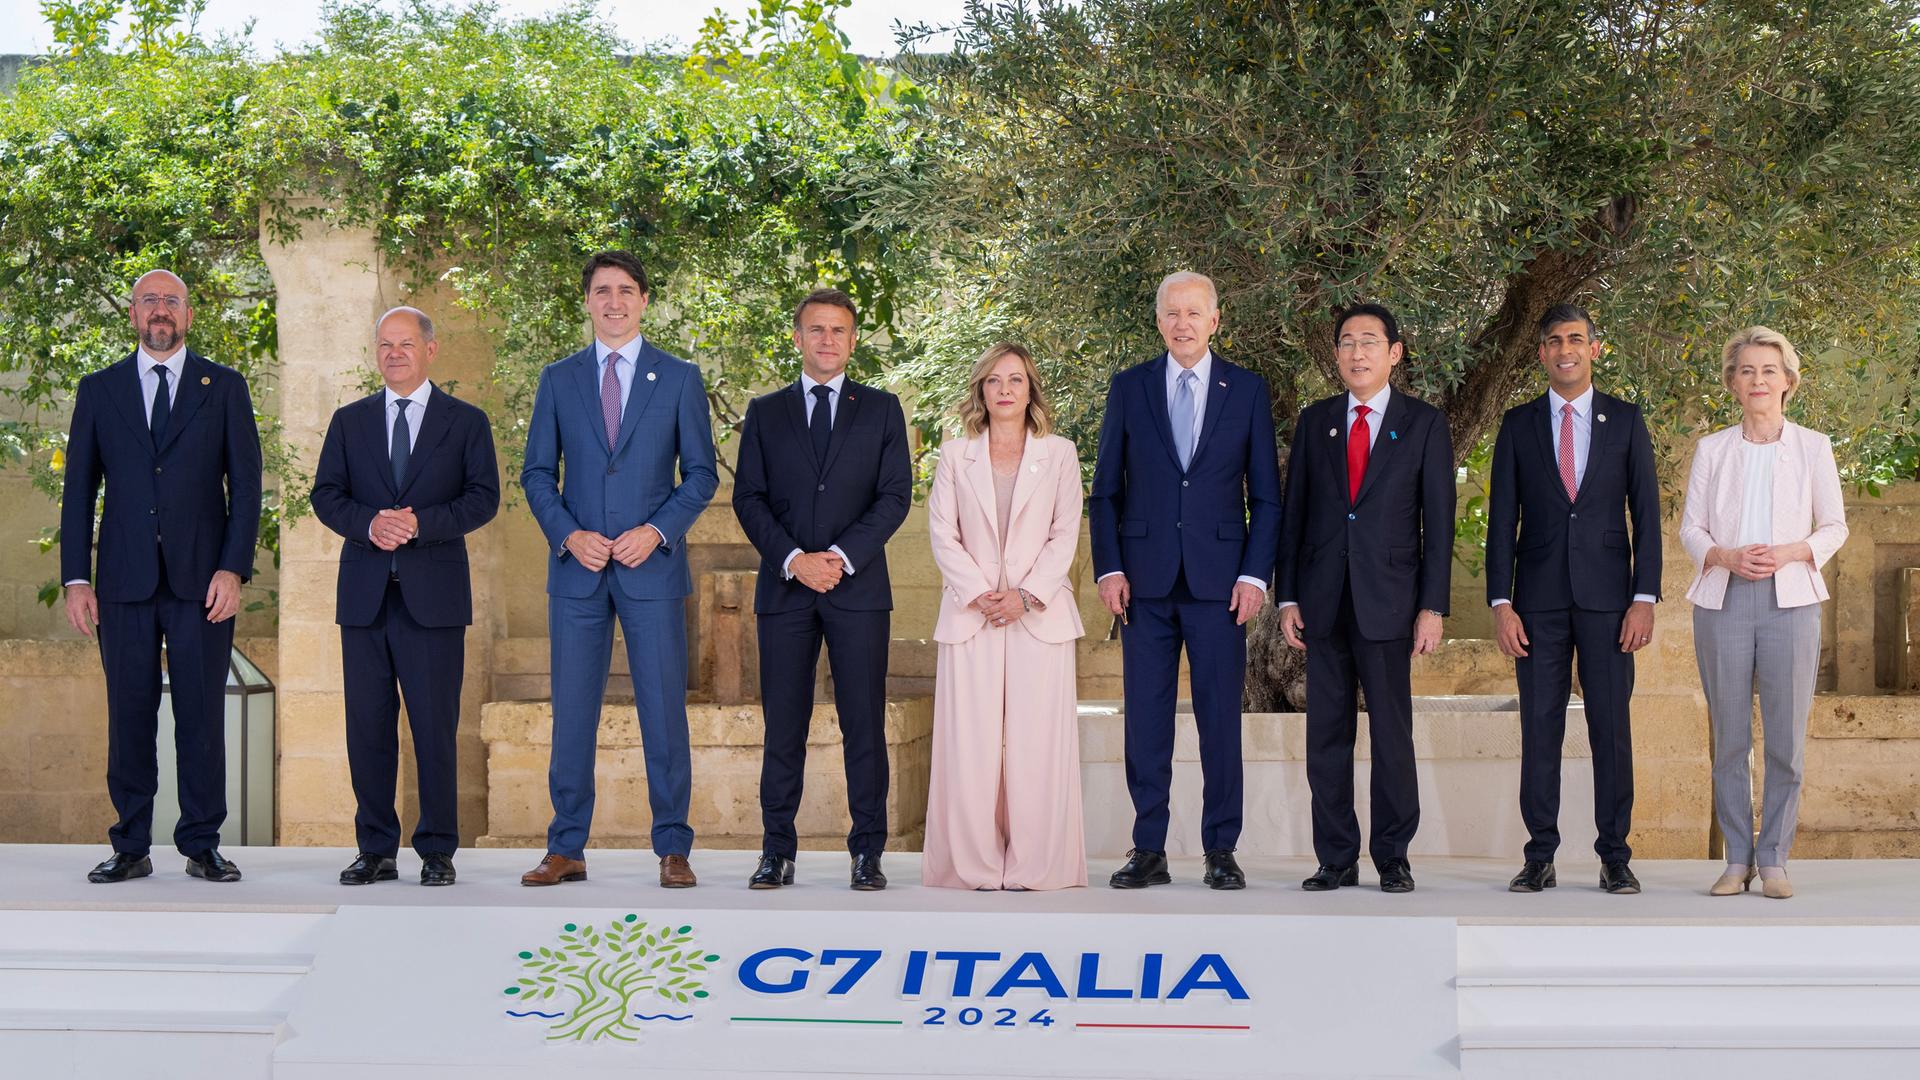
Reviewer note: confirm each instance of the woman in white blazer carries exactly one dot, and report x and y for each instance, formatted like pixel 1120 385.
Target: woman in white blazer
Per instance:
pixel 1763 514
pixel 1003 806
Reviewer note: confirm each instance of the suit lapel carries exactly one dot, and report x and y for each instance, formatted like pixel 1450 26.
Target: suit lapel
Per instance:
pixel 851 394
pixel 1333 412
pixel 979 473
pixel 1385 441
pixel 195 385
pixel 369 428
pixel 1541 420
pixel 1034 458
pixel 646 379
pixel 586 376
pixel 793 406
pixel 123 388
pixel 1216 404
pixel 433 429
pixel 1157 405
pixel 1599 434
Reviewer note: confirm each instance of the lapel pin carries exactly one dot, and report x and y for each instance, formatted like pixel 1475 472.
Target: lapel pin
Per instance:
pixel 650 376
pixel 1223 384
pixel 1393 435
pixel 1602 417
pixel 205 380
pixel 1033 468
pixel 1333 433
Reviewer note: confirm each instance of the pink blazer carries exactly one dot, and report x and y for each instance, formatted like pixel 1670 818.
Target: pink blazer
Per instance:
pixel 1806 506
pixel 1043 530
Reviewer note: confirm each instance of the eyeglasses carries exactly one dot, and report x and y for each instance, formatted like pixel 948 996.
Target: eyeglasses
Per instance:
pixel 153 300
pixel 1365 345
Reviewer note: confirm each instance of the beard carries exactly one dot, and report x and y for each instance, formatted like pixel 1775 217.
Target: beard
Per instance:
pixel 163 337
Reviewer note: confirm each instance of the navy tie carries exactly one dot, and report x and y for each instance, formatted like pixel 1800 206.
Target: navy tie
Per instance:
pixel 402 444
pixel 162 408
pixel 821 426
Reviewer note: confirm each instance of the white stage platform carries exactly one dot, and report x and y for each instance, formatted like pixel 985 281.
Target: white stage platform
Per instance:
pixel 289 975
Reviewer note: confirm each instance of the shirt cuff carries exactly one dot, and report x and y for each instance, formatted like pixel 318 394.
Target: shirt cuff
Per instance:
pixel 1253 581
pixel 786 565
pixel 75 581
pixel 664 546
pixel 1107 575
pixel 1284 604
pixel 1499 602
pixel 1645 598
pixel 845 563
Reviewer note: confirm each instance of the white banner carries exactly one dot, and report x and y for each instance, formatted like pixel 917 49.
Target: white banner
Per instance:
pixel 494 991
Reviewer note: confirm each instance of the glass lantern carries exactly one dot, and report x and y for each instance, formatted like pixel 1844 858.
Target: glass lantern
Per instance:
pixel 248 705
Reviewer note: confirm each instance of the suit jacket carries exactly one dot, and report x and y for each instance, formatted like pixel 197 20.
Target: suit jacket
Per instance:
pixel 452 483
pixel 609 492
pixel 1043 529
pixel 1573 553
pixel 1218 519
pixel 856 498
pixel 193 503
pixel 1393 545
pixel 1807 505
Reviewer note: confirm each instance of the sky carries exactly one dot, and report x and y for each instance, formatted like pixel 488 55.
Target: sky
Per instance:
pixel 282 23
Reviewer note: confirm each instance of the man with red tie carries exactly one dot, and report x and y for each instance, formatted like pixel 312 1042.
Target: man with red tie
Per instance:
pixel 1366 549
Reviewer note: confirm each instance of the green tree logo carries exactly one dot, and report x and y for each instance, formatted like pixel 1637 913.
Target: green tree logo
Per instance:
pixel 605 984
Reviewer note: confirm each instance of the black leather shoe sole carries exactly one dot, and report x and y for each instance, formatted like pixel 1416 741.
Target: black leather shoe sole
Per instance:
pixel 1546 883
pixel 1624 889
pixel 195 869
pixel 1402 886
pixel 1162 878
pixel 1224 882
pixel 368 879
pixel 143 868
pixel 867 886
pixel 437 878
pixel 769 883
pixel 1316 883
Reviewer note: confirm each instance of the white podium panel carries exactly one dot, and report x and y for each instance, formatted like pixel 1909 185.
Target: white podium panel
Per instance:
pixel 611 991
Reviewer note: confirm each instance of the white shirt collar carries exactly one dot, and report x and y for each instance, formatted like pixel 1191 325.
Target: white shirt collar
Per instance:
pixel 629 352
pixel 1200 370
pixel 173 364
pixel 1583 405
pixel 419 396
pixel 835 384
pixel 1377 403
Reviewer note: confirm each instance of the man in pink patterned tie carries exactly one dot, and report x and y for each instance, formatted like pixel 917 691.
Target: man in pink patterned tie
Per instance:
pixel 1568 581
pixel 622 414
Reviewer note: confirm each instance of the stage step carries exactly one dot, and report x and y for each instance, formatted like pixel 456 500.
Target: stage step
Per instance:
pixel 94 960
pixel 151 1021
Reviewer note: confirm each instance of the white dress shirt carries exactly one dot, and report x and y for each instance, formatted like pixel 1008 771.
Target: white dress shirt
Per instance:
pixel 149 386
pixel 1582 439
pixel 1377 408
pixel 1202 378
pixel 834 387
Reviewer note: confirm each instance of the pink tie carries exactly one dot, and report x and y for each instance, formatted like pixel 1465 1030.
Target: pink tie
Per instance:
pixel 610 399
pixel 1566 452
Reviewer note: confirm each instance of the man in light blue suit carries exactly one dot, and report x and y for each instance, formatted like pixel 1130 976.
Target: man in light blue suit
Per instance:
pixel 620 413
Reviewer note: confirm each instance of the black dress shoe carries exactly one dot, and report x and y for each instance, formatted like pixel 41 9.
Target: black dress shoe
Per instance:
pixel 773 872
pixel 1395 876
pixel 436 870
pixel 1328 878
pixel 120 867
pixel 212 866
pixel 1615 877
pixel 1533 877
pixel 866 875
pixel 367 868
pixel 1223 872
pixel 1143 868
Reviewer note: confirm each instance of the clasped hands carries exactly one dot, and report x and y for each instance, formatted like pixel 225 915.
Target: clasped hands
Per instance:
pixel 1757 562
pixel 629 549
pixel 391 528
pixel 818 570
pixel 1003 607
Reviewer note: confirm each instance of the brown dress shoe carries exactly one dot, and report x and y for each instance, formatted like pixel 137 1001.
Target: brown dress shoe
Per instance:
pixel 555 869
pixel 675 873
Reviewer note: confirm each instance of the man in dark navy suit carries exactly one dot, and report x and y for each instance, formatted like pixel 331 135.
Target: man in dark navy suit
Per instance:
pixel 172 437
pixel 1185 518
pixel 404 476
pixel 1366 553
pixel 1567 580
pixel 824 479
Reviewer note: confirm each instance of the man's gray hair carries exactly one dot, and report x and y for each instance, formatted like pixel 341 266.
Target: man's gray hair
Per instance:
pixel 426 324
pixel 1185 277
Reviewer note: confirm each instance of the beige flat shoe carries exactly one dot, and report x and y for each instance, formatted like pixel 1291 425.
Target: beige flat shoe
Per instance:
pixel 1776 886
pixel 1733 882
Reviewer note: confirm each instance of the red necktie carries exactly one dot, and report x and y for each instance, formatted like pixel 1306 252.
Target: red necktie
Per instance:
pixel 1566 452
pixel 1359 444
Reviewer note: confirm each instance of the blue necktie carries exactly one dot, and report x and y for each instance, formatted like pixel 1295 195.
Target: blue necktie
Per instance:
pixel 820 426
pixel 402 447
pixel 1182 418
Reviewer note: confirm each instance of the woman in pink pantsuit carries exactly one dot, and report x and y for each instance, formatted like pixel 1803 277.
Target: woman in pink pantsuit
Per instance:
pixel 1003 810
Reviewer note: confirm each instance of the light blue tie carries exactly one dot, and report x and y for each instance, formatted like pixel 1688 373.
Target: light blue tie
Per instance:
pixel 1182 418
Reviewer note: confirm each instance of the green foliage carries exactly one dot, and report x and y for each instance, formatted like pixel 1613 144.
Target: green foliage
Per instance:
pixel 1686 168
pixel 487 155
